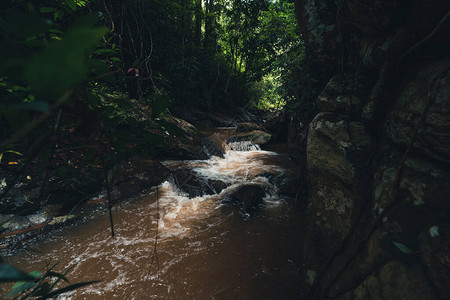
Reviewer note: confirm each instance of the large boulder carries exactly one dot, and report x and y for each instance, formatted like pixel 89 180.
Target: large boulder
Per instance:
pixel 184 143
pixel 137 175
pixel 189 182
pixel 277 125
pixel 336 152
pixel 258 137
pixel 247 126
pixel 427 97
pixel 344 95
pixel 247 198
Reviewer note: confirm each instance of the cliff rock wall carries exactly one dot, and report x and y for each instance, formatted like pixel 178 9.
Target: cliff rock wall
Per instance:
pixel 378 152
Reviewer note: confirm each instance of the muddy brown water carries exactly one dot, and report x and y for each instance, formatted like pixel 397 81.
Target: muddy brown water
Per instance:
pixel 205 249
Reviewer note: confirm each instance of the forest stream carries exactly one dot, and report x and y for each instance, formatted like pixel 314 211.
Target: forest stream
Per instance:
pixel 208 247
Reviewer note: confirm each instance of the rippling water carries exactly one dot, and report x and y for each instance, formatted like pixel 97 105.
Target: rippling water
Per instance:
pixel 205 250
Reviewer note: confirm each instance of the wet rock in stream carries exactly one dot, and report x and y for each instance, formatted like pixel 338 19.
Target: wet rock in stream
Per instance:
pixel 256 136
pixel 287 185
pixel 247 198
pixel 189 182
pixel 137 175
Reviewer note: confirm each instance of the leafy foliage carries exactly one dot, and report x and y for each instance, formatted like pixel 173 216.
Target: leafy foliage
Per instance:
pixel 37 284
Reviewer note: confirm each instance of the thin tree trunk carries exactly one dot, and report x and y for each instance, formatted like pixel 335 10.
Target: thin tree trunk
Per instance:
pixel 198 24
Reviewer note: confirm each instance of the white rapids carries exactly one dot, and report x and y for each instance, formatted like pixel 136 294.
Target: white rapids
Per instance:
pixel 204 251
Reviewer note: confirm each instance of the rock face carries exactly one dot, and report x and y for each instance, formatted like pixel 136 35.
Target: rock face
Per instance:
pixel 377 153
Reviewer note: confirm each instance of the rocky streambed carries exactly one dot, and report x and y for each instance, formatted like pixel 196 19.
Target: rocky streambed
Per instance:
pixel 228 227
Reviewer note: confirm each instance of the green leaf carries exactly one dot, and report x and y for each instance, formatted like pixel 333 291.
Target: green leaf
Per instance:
pixel 402 248
pixel 64 63
pixel 9 273
pixel 70 288
pixel 71 4
pixel 21 288
pixel 160 104
pixel 35 274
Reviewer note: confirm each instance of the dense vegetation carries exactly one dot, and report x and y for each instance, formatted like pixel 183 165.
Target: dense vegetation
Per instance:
pixel 87 58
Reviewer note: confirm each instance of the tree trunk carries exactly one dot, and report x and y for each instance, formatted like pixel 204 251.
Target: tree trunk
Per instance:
pixel 198 24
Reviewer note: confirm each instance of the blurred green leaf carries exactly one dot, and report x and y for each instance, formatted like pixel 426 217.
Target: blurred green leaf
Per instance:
pixel 402 247
pixel 20 284
pixel 35 273
pixel 21 288
pixel 13 59
pixel 64 63
pixel 9 273
pixel 22 25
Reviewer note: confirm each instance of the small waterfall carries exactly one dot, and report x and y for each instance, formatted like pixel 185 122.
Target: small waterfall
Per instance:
pixel 242 146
